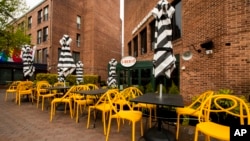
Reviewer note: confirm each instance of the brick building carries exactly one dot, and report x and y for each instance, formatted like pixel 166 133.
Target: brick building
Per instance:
pixel 93 25
pixel 225 24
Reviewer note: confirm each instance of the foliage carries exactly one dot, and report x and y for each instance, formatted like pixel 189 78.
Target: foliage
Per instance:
pixel 173 89
pixel 141 88
pixel 71 79
pixel 149 88
pixel 11 37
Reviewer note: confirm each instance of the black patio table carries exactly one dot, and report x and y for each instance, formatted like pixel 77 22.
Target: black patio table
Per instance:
pixel 158 133
pixel 92 92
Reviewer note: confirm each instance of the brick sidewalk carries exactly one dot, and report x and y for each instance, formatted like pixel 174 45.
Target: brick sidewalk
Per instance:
pixel 27 123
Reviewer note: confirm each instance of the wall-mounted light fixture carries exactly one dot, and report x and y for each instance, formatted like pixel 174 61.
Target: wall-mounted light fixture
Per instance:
pixel 208 45
pixel 187 55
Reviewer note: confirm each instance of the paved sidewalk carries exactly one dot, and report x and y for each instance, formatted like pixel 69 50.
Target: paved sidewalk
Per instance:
pixel 27 123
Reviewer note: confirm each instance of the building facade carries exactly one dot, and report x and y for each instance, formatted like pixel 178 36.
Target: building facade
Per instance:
pixel 94 27
pixel 211 38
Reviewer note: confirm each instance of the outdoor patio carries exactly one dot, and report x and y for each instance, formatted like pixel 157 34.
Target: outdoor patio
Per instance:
pixel 27 123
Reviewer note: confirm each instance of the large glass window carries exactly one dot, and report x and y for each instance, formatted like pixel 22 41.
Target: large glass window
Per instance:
pixel 45 33
pixel 39 16
pixel 46 13
pixel 39 36
pixel 29 22
pixel 78 39
pixel 176 20
pixel 135 46
pixel 129 49
pixel 135 77
pixel 44 56
pixel 143 41
pixel 152 36
pixel 78 22
pixel 76 56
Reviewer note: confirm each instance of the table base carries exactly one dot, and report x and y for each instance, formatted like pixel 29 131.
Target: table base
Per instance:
pixel 155 134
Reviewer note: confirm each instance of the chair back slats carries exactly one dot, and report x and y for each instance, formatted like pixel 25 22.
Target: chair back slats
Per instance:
pixel 228 104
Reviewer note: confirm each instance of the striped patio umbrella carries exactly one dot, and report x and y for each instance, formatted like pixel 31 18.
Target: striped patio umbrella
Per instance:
pixel 27 55
pixel 66 64
pixel 112 73
pixel 164 59
pixel 79 72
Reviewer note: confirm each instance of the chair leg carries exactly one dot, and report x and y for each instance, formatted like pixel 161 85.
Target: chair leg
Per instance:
pixel 104 122
pixel 196 134
pixel 77 110
pixel 177 126
pixel 51 111
pixel 133 131
pixel 19 100
pixel 88 117
pixel 141 127
pixel 42 103
pixel 108 130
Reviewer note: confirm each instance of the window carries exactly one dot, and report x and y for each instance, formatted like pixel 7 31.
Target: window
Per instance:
pixel 136 46
pixel 78 22
pixel 143 35
pixel 76 56
pixel 29 22
pixel 39 56
pixel 176 20
pixel 39 36
pixel 21 26
pixel 152 37
pixel 129 49
pixel 39 17
pixel 78 39
pixel 44 57
pixel 46 13
pixel 45 33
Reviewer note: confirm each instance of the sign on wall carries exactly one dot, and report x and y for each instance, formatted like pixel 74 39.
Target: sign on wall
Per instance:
pixel 128 61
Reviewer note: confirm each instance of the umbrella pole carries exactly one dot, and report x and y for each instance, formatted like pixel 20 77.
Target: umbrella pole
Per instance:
pixel 160 93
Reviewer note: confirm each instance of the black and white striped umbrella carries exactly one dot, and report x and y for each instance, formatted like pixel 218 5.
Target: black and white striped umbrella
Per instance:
pixel 79 72
pixel 66 64
pixel 164 59
pixel 27 55
pixel 112 73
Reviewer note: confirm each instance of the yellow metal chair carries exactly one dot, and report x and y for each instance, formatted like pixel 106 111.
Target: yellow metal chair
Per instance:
pixel 43 92
pixel 81 101
pixel 66 99
pixel 235 106
pixel 102 105
pixel 24 88
pixel 12 89
pixel 133 92
pixel 191 110
pixel 130 114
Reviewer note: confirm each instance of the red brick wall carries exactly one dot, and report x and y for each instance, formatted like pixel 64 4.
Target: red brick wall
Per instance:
pixel 221 21
pixel 100 31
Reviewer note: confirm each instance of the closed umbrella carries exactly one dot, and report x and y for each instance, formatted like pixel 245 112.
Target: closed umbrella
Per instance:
pixel 112 73
pixel 164 59
pixel 66 64
pixel 27 55
pixel 79 72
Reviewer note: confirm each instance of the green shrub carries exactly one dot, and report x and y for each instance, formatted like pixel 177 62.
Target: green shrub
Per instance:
pixel 149 88
pixel 173 89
